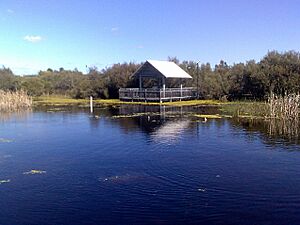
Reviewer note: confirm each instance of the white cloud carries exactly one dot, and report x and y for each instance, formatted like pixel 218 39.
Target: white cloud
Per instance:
pixel 114 29
pixel 10 11
pixel 33 38
pixel 140 46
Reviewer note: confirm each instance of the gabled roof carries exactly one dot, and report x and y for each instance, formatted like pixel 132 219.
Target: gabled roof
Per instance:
pixel 164 68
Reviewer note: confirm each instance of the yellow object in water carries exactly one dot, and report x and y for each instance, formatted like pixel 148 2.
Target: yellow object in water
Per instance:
pixel 216 116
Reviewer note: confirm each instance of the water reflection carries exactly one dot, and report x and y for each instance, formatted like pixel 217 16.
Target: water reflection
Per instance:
pixel 160 123
pixel 171 131
pixel 272 131
pixel 168 124
pixel 288 129
pixel 15 116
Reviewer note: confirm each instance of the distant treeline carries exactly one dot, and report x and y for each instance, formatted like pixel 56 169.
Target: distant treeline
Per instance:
pixel 277 73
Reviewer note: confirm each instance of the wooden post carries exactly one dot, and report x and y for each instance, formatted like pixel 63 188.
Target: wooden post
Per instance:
pixel 180 92
pixel 160 96
pixel 164 86
pixel 163 113
pixel 140 82
pixel 91 104
pixel 132 93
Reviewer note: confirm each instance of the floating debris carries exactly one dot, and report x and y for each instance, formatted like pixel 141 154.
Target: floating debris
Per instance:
pixel 202 189
pixel 121 179
pixel 34 172
pixel 216 116
pixel 56 110
pixel 4 181
pixel 135 115
pixel 128 115
pixel 227 116
pixel 4 140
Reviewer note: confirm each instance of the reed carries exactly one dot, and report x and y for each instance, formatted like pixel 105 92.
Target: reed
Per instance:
pixel 13 101
pixel 287 129
pixel 249 109
pixel 284 107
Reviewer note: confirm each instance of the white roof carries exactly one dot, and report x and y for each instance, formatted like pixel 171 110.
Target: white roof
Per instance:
pixel 169 69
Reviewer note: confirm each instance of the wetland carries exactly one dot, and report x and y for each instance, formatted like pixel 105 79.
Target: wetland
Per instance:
pixel 141 164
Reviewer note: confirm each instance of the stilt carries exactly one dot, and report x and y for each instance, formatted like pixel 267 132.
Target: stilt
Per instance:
pixel 91 104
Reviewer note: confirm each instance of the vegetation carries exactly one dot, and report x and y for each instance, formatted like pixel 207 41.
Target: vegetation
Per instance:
pixel 10 101
pixel 208 116
pixel 277 73
pixel 246 109
pixel 67 101
pixel 284 106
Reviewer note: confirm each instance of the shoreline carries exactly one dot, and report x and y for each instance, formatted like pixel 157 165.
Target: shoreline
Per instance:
pixel 237 109
pixel 65 101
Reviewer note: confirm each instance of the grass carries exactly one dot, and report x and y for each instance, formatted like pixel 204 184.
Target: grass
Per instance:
pixel 239 109
pixel 13 101
pixel 65 101
pixel 284 107
pixel 58 101
pixel 246 109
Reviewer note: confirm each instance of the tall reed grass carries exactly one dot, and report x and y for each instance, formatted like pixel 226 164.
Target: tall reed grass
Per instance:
pixel 285 128
pixel 12 101
pixel 284 107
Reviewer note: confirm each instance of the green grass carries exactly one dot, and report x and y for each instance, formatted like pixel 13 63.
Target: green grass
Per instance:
pixel 241 109
pixel 246 109
pixel 58 101
pixel 65 101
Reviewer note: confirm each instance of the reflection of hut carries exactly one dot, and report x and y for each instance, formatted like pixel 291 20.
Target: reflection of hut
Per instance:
pixel 170 131
pixel 160 72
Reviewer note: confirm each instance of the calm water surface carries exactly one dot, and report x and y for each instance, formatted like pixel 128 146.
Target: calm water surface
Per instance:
pixel 163 167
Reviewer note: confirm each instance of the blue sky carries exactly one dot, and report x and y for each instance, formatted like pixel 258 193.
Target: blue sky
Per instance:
pixel 38 34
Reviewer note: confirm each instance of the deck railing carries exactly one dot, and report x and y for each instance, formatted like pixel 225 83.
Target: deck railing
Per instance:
pixel 151 94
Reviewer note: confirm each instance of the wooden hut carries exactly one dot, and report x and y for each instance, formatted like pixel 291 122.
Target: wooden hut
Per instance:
pixel 160 72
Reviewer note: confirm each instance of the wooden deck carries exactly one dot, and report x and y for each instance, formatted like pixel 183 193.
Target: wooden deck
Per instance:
pixel 156 95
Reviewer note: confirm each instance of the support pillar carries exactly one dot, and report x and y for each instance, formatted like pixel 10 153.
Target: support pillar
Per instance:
pixel 180 92
pixel 164 86
pixel 140 82
pixel 91 104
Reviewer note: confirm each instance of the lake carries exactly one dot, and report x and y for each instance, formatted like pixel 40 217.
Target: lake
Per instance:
pixel 146 165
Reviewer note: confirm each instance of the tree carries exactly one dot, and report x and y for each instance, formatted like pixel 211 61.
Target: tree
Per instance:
pixel 7 80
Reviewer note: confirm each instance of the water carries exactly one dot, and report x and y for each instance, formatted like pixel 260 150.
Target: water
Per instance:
pixel 165 167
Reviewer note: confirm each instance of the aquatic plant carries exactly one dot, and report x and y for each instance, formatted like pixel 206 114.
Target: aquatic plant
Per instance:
pixel 34 172
pixel 285 128
pixel 12 101
pixel 57 101
pixel 284 107
pixel 208 116
pixel 247 109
